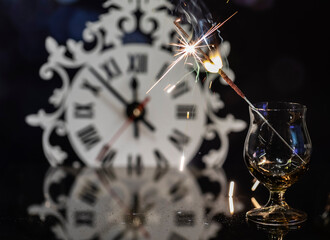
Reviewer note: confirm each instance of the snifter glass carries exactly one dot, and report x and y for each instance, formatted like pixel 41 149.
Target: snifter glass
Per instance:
pixel 277 152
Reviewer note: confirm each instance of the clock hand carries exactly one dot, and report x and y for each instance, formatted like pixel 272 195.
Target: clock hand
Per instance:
pixel 135 207
pixel 119 132
pixel 109 87
pixel 134 86
pixel 148 124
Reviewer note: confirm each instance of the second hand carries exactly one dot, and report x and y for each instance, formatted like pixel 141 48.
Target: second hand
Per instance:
pixel 119 132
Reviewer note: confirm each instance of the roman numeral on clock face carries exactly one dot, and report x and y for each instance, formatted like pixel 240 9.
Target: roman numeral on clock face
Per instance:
pixel 138 63
pixel 93 89
pixel 186 112
pixel 84 218
pixel 89 193
pixel 180 89
pixel 185 219
pixel 108 158
pixel 162 165
pixel 111 68
pixel 84 110
pixel 178 139
pixel 134 164
pixel 162 71
pixel 89 136
pixel 178 191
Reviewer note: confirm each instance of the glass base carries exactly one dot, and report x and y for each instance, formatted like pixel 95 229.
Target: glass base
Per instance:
pixel 276 216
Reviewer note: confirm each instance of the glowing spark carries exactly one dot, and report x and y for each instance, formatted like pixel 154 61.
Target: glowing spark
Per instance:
pixel 182 162
pixel 186 49
pixel 210 85
pixel 255 203
pixel 170 89
pixel 167 71
pixel 167 87
pixel 255 185
pixel 263 161
pixel 190 49
pixel 230 197
pixel 188 115
pixel 213 29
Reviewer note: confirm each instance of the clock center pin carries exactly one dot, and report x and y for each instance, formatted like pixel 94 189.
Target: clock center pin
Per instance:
pixel 135 110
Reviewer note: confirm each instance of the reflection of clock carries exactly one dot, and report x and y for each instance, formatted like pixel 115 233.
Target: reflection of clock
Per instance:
pixel 122 204
pixel 106 93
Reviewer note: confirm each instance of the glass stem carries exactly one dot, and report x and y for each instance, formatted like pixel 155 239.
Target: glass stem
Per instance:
pixel 277 198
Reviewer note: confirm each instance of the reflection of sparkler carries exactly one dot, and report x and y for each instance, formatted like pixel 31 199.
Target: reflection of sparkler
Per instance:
pixel 230 197
pixel 255 185
pixel 255 203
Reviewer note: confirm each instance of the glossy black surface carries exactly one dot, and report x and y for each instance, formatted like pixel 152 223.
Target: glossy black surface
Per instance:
pixel 279 51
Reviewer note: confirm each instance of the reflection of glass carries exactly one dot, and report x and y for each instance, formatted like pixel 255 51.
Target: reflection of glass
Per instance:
pixel 277 159
pixel 276 232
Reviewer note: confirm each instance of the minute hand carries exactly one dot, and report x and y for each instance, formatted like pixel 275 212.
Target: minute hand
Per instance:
pixel 108 86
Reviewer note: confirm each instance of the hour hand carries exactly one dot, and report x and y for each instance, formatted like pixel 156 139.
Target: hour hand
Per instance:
pixel 109 87
pixel 148 124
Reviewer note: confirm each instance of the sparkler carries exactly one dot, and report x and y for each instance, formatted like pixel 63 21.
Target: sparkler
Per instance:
pixel 212 64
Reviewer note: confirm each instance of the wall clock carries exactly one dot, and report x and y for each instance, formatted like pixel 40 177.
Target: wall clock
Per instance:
pixel 94 113
pixel 104 79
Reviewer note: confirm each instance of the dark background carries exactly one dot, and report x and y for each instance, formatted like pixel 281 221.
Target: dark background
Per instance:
pixel 279 51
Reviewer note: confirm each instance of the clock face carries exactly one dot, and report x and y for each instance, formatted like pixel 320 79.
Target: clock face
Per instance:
pixel 111 90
